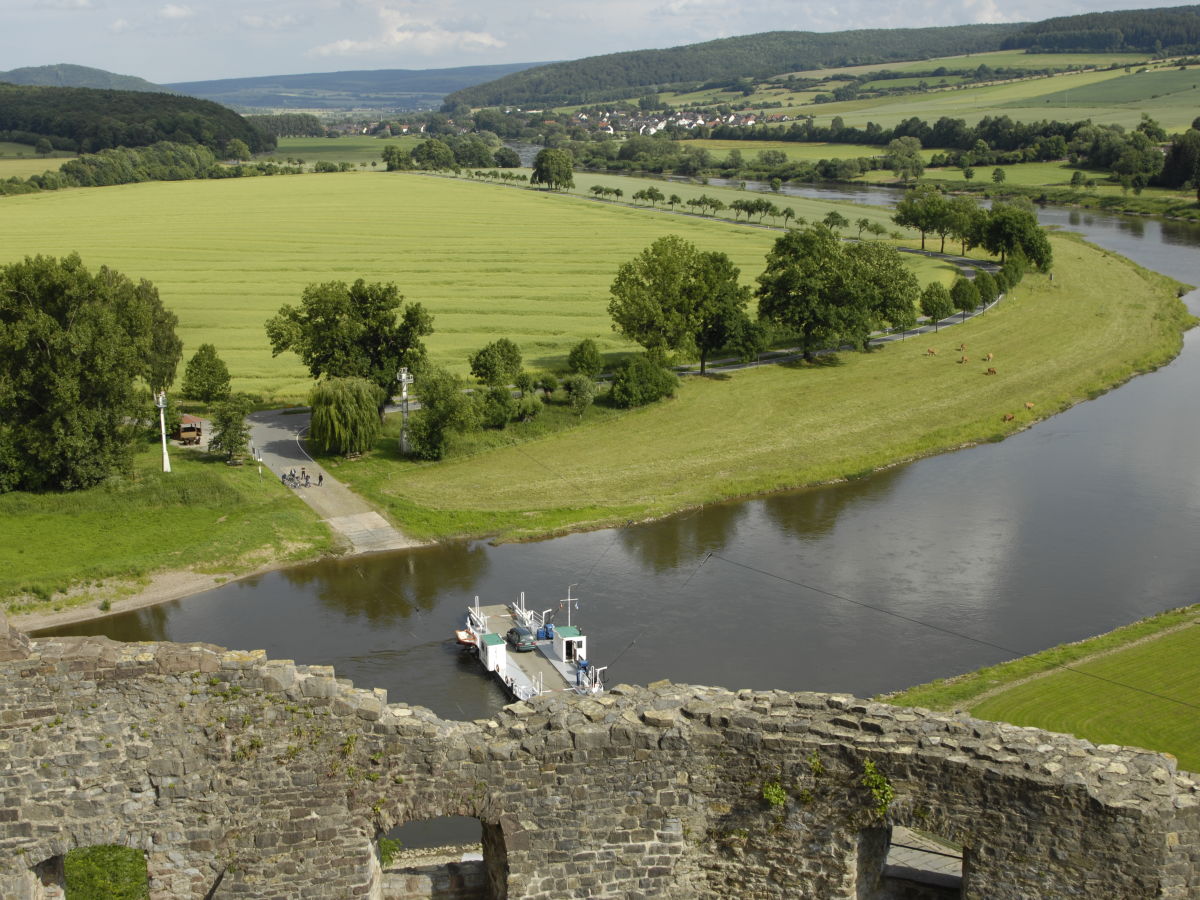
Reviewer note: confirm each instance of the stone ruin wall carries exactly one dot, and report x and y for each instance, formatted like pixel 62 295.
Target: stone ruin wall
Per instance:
pixel 241 776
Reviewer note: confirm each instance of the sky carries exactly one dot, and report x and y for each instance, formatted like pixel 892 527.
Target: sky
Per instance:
pixel 168 41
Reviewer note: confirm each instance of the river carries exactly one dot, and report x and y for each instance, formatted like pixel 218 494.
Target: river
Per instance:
pixel 1087 521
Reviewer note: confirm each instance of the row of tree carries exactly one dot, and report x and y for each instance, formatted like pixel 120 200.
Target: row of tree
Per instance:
pixel 1006 229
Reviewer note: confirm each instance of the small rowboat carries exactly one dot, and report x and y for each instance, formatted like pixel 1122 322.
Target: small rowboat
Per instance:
pixel 465 637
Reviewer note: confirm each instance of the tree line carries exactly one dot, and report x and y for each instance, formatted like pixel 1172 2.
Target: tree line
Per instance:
pixel 1169 30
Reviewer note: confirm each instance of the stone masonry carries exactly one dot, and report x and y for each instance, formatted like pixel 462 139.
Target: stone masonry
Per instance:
pixel 241 776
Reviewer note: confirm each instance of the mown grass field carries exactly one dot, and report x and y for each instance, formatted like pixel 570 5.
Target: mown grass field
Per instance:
pixel 1044 174
pixel 204 514
pixel 1006 59
pixel 1087 703
pixel 1055 343
pixel 1071 687
pixel 795 151
pixel 353 148
pixel 487 260
pixel 1071 97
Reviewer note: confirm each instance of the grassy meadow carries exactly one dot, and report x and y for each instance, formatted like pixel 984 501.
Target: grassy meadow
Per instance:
pixel 487 260
pixel 1155 656
pixel 999 59
pixel 1055 343
pixel 796 152
pixel 352 148
pixel 204 515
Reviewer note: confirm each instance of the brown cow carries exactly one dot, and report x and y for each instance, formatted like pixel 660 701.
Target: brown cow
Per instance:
pixel 1008 417
pixel 988 358
pixel 990 371
pixel 1028 404
pixel 931 352
pixel 963 359
pixel 962 348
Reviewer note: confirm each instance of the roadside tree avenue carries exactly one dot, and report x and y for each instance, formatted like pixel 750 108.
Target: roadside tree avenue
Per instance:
pixel 828 291
pixel 353 330
pixel 73 348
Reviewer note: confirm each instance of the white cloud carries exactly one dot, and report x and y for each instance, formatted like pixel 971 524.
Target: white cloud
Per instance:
pixel 402 30
pixel 175 11
pixel 275 22
pixel 119 26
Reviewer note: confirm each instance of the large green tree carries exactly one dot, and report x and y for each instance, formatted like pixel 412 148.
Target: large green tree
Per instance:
pixel 73 345
pixel 554 168
pixel 230 432
pixel 344 415
pixel 353 330
pixel 674 297
pixel 923 208
pixel 1010 229
pixel 497 363
pixel 829 291
pixel 434 154
pixel 904 158
pixel 206 377
pixel 445 408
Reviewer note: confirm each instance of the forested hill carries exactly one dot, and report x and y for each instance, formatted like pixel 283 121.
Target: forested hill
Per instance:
pixel 66 75
pixel 754 56
pixel 389 88
pixel 86 120
pixel 1167 30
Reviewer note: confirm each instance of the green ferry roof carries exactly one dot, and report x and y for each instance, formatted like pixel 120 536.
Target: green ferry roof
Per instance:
pixel 492 639
pixel 567 631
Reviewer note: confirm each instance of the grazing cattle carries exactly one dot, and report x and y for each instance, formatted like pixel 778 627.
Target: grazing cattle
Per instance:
pixel 931 352
pixel 988 358
pixel 1028 404
pixel 1008 417
pixel 990 371
pixel 963 359
pixel 962 348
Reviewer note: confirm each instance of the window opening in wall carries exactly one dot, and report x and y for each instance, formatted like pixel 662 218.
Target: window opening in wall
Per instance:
pixel 50 879
pixel 923 865
pixel 460 856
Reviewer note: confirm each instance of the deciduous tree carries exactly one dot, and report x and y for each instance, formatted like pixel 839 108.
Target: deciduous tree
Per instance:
pixel 230 433
pixel 498 363
pixel 342 330
pixel 345 416
pixel 554 168
pixel 206 377
pixel 72 346
pixel 585 358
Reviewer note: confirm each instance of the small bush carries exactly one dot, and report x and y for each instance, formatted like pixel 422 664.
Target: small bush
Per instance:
pixel 585 359
pixel 497 407
pixel 641 380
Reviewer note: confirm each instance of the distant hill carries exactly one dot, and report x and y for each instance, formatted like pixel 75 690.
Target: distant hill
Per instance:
pixel 66 75
pixel 86 120
pixel 378 88
pixel 753 56
pixel 1167 30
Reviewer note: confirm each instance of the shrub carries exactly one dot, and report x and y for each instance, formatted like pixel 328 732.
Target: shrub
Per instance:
pixel 641 380
pixel 581 391
pixel 585 359
pixel 497 407
pixel 106 873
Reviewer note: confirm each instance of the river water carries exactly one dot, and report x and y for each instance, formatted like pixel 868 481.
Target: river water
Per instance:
pixel 1089 520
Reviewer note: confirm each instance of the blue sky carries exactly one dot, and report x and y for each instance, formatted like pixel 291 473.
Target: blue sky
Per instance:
pixel 185 40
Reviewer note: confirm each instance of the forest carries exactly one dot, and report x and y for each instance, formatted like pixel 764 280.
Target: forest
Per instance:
pixel 1168 30
pixel 86 120
pixel 757 55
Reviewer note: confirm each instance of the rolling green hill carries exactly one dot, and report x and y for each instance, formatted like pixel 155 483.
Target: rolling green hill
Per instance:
pixel 386 88
pixel 752 56
pixel 1166 30
pixel 67 75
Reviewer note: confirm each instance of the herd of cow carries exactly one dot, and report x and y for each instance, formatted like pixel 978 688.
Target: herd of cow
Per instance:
pixel 962 349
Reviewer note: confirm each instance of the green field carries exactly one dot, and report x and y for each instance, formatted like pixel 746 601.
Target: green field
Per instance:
pixel 487 260
pixel 1000 59
pixel 352 148
pixel 204 514
pixel 1055 343
pixel 1087 703
pixel 796 152
pixel 1102 688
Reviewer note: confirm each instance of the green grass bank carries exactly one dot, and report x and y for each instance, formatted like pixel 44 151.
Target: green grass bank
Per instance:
pixel 1121 687
pixel 1054 343
pixel 74 549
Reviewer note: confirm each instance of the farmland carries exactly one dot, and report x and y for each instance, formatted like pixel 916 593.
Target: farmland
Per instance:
pixel 487 260
pixel 1055 342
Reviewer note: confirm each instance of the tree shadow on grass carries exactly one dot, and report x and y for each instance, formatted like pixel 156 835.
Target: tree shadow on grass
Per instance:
pixel 823 361
pixel 714 376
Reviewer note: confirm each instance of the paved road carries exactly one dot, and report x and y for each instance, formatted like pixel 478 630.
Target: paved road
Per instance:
pixel 277 440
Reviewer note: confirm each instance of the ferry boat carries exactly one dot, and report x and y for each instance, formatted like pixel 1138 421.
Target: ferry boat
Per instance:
pixel 529 654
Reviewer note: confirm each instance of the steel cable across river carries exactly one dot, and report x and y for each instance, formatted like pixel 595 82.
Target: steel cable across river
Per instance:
pixel 1087 521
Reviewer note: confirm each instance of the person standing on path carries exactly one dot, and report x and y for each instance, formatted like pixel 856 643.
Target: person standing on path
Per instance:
pixel 320 478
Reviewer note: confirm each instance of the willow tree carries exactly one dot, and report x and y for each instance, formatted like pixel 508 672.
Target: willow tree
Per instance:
pixel 345 416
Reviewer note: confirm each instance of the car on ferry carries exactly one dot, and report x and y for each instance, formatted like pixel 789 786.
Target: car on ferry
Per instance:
pixel 520 639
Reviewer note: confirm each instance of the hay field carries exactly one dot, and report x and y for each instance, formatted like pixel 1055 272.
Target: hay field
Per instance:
pixel 488 261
